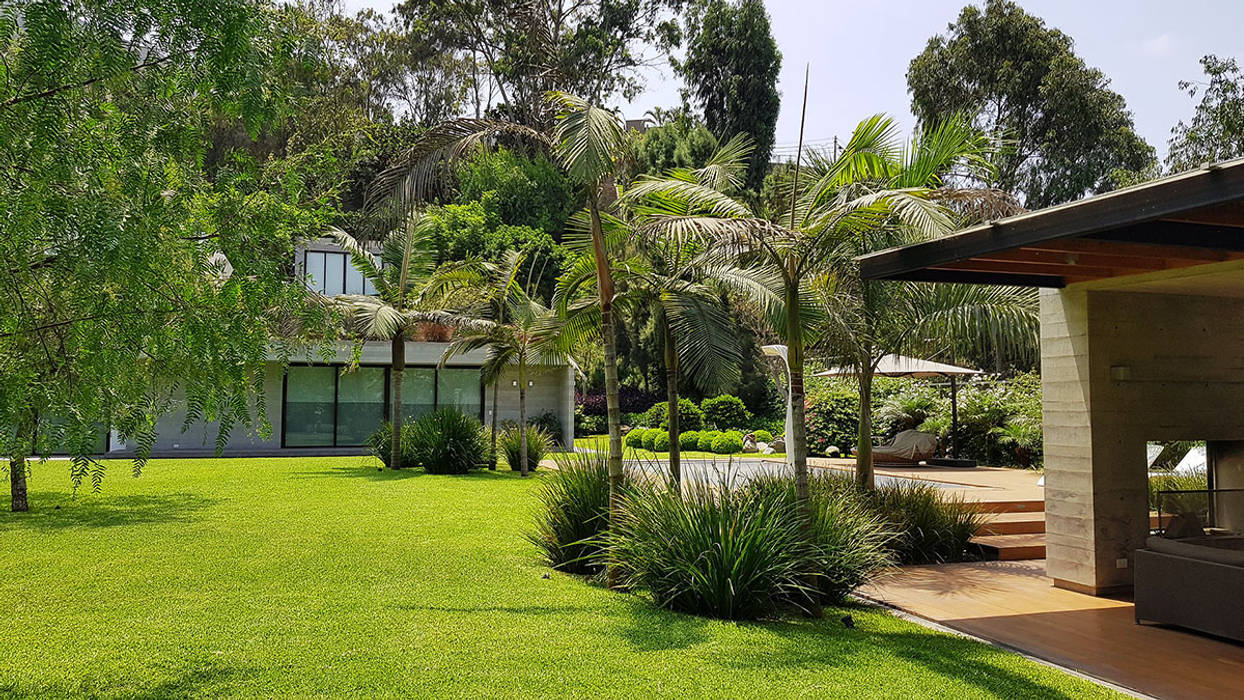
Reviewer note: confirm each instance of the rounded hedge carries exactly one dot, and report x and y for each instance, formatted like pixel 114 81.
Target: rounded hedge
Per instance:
pixel 763 436
pixel 725 412
pixel 661 443
pixel 689 440
pixel 728 443
pixel 650 436
pixel 706 440
pixel 635 438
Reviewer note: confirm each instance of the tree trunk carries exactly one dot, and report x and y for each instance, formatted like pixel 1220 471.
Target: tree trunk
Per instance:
pixel 671 390
pixel 17 464
pixel 799 430
pixel 522 414
pixel 399 366
pixel 864 441
pixel 604 283
pixel 496 389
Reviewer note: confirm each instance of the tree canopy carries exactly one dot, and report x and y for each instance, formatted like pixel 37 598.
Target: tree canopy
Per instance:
pixel 1216 131
pixel 1063 132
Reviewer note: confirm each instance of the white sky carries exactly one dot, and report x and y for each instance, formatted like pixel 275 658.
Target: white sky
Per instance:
pixel 859 51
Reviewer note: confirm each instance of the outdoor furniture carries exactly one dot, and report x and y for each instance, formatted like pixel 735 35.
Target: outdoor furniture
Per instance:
pixel 1193 582
pixel 908 448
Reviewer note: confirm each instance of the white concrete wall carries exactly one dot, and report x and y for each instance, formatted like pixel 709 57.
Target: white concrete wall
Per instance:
pixel 1119 369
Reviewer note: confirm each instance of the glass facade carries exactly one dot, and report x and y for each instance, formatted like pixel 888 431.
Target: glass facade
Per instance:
pixel 325 407
pixel 332 273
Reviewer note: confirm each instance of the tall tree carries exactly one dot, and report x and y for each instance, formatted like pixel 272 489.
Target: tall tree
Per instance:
pixel 1216 131
pixel 731 71
pixel 1063 132
pixel 134 278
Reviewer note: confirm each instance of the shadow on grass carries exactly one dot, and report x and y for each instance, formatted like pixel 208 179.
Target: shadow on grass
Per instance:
pixel 648 628
pixel 536 610
pixel 205 679
pixel 374 473
pixel 53 510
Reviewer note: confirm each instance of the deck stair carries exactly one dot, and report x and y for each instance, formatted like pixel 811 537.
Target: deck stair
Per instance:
pixel 1012 530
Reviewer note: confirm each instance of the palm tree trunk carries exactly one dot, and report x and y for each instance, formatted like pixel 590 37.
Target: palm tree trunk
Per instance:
pixel 17 464
pixel 604 283
pixel 398 362
pixel 496 389
pixel 522 414
pixel 864 440
pixel 798 433
pixel 671 390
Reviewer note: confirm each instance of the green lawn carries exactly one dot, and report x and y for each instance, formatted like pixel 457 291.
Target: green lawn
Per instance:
pixel 324 576
pixel 601 443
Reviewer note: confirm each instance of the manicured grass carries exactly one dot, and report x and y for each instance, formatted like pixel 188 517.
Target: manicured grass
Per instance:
pixel 324 576
pixel 601 443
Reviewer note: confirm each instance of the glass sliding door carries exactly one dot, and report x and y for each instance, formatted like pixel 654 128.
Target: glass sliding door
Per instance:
pixel 360 405
pixel 418 392
pixel 310 398
pixel 459 388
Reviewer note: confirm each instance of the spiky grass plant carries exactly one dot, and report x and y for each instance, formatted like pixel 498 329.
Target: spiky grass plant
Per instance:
pixel 933 526
pixel 446 441
pixel 574 512
pixel 511 444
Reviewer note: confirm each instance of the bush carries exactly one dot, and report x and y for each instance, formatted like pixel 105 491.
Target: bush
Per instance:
pixel 635 438
pixel 725 412
pixel 1192 481
pixel 510 441
pixel 689 440
pixel 585 425
pixel 763 436
pixel 832 419
pixel 661 443
pixel 710 550
pixel 631 400
pixel 574 512
pixel 650 437
pixel 690 417
pixel 933 527
pixel 379 444
pixel 706 440
pixel 551 425
pixel 728 443
pixel 446 441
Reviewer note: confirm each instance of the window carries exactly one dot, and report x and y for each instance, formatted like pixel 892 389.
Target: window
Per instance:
pixel 325 407
pixel 332 273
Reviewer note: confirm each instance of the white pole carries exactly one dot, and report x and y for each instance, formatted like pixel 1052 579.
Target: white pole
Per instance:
pixel 780 351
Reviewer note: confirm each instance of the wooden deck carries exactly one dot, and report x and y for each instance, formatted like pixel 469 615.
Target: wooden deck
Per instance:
pixel 1014 604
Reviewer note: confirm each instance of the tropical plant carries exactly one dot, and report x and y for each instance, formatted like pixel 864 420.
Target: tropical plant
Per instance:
pixel 447 441
pixel 552 427
pixel 933 527
pixel 380 445
pixel 725 412
pixel 1022 433
pixel 536 441
pixel 574 512
pixel 710 549
pixel 587 142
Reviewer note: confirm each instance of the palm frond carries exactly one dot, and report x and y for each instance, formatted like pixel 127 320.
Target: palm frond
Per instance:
pixel 586 137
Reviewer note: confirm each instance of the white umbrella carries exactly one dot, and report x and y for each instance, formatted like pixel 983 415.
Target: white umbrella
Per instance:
pixel 903 366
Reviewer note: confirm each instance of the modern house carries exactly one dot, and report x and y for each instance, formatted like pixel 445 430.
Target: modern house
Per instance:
pixel 323 407
pixel 1142 339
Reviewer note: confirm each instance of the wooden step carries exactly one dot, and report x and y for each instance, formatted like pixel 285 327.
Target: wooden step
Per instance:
pixel 1013 524
pixel 1011 547
pixel 1034 505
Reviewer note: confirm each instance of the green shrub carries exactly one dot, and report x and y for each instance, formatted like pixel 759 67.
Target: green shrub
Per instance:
pixel 574 512
pixel 446 441
pixel 832 419
pixel 1194 481
pixel 635 438
pixel 728 443
pixel 661 443
pixel 932 526
pixel 690 417
pixel 689 440
pixel 706 440
pixel 650 438
pixel 725 412
pixel 510 442
pixel 585 425
pixel 763 436
pixel 710 550
pixel 551 425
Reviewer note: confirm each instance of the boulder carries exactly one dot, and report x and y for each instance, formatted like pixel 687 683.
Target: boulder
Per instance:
pixel 768 451
pixel 762 446
pixel 832 451
pixel 778 444
pixel 749 444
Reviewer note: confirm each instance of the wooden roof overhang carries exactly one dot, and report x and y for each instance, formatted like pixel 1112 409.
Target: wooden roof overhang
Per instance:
pixel 1194 218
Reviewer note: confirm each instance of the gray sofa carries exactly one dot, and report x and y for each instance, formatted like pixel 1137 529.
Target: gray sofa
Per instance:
pixel 1195 582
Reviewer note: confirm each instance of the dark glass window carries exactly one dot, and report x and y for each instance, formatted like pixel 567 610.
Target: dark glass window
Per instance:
pixel 360 404
pixel 419 392
pixel 310 395
pixel 459 388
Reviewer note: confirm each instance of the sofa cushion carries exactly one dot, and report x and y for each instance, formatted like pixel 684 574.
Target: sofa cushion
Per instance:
pixel 1194 549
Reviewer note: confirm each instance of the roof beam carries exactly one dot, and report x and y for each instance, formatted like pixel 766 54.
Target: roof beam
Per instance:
pixel 979 277
pixel 1039 256
pixel 1026 268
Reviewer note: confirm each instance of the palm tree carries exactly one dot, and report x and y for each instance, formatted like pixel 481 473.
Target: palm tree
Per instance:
pixel 400 272
pixel 529 335
pixel 588 142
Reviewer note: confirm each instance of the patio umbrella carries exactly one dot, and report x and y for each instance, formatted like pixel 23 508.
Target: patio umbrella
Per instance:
pixel 903 366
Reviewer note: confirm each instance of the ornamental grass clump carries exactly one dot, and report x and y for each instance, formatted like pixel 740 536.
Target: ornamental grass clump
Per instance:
pixel 573 513
pixel 446 441
pixel 710 549
pixel 933 526
pixel 511 443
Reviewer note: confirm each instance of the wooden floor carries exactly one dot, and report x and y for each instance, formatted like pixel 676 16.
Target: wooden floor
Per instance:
pixel 1013 603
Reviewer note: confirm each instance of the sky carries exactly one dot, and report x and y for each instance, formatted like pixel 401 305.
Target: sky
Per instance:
pixel 858 51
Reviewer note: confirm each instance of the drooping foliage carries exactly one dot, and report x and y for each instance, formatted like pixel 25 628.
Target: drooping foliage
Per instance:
pixel 1216 130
